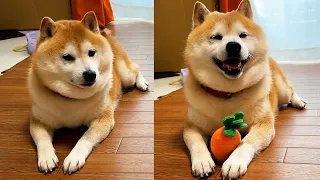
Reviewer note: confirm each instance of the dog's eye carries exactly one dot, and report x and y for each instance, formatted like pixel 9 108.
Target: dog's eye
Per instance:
pixel 68 57
pixel 92 52
pixel 243 35
pixel 216 37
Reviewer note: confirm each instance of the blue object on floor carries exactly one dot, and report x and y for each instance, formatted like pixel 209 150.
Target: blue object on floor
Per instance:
pixel 32 41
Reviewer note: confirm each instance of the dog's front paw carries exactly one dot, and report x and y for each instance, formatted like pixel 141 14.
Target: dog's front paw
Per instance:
pixel 202 166
pixel 73 162
pixel 47 160
pixel 234 167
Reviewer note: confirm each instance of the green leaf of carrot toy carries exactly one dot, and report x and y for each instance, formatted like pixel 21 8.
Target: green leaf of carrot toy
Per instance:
pixel 227 120
pixel 243 125
pixel 236 122
pixel 239 115
pixel 229 132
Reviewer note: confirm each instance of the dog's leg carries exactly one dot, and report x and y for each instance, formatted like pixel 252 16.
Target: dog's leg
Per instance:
pixel 42 136
pixel 202 163
pixel 286 93
pixel 130 74
pixel 258 138
pixel 297 102
pixel 98 130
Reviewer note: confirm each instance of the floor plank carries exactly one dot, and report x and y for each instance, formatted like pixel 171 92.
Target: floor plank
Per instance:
pixel 137 96
pixel 134 118
pixel 298 130
pixel 137 106
pixel 132 130
pixel 298 121
pixel 136 146
pixel 303 155
pixel 296 141
pixel 273 155
pixel 128 163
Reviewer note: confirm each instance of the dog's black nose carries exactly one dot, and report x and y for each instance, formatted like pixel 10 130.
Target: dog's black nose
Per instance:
pixel 233 48
pixel 89 76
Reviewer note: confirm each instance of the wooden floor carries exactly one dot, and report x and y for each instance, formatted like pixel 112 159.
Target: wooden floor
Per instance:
pixel 128 151
pixel 294 153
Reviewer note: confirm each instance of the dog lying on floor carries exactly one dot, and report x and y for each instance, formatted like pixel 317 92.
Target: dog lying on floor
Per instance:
pixel 230 71
pixel 76 77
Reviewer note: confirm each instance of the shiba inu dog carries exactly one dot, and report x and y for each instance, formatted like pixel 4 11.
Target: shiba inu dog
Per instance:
pixel 230 71
pixel 75 79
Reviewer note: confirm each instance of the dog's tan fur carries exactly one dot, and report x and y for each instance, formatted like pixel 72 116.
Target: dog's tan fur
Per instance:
pixel 257 92
pixel 60 102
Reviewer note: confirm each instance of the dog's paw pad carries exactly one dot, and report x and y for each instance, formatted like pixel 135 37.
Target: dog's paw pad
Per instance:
pixel 202 166
pixel 73 163
pixel 47 161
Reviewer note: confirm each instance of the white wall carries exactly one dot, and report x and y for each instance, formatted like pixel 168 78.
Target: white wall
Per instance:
pixel 133 9
pixel 292 27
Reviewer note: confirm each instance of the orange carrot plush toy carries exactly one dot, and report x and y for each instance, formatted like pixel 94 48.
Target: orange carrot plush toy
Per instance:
pixel 226 139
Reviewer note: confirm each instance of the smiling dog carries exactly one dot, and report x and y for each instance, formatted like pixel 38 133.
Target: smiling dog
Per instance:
pixel 75 79
pixel 230 71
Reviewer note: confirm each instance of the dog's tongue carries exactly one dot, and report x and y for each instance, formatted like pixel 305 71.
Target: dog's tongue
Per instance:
pixel 232 66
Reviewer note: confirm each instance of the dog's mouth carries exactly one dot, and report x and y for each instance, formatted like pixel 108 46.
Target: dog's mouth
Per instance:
pixel 231 67
pixel 88 84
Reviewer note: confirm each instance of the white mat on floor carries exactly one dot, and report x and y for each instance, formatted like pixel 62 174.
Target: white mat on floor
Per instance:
pixel 162 86
pixel 8 57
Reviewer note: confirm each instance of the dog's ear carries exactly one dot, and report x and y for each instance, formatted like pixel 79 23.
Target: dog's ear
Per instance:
pixel 200 12
pixel 91 22
pixel 47 29
pixel 245 9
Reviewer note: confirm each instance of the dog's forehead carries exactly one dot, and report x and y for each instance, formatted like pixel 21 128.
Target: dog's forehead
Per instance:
pixel 78 38
pixel 223 28
pixel 226 22
pixel 75 47
pixel 219 28
pixel 70 48
pixel 86 45
pixel 238 26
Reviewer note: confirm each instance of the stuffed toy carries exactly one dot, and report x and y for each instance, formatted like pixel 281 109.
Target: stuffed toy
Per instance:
pixel 227 138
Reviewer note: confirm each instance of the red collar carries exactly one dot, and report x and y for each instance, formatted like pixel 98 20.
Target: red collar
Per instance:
pixel 220 94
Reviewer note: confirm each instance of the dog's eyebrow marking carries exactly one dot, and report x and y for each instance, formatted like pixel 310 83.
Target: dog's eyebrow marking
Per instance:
pixel 219 28
pixel 238 27
pixel 86 46
pixel 69 48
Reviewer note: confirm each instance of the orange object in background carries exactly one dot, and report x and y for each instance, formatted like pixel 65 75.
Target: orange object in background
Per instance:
pixel 228 5
pixel 102 8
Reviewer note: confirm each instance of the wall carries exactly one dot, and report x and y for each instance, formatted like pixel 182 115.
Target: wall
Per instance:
pixel 172 26
pixel 27 14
